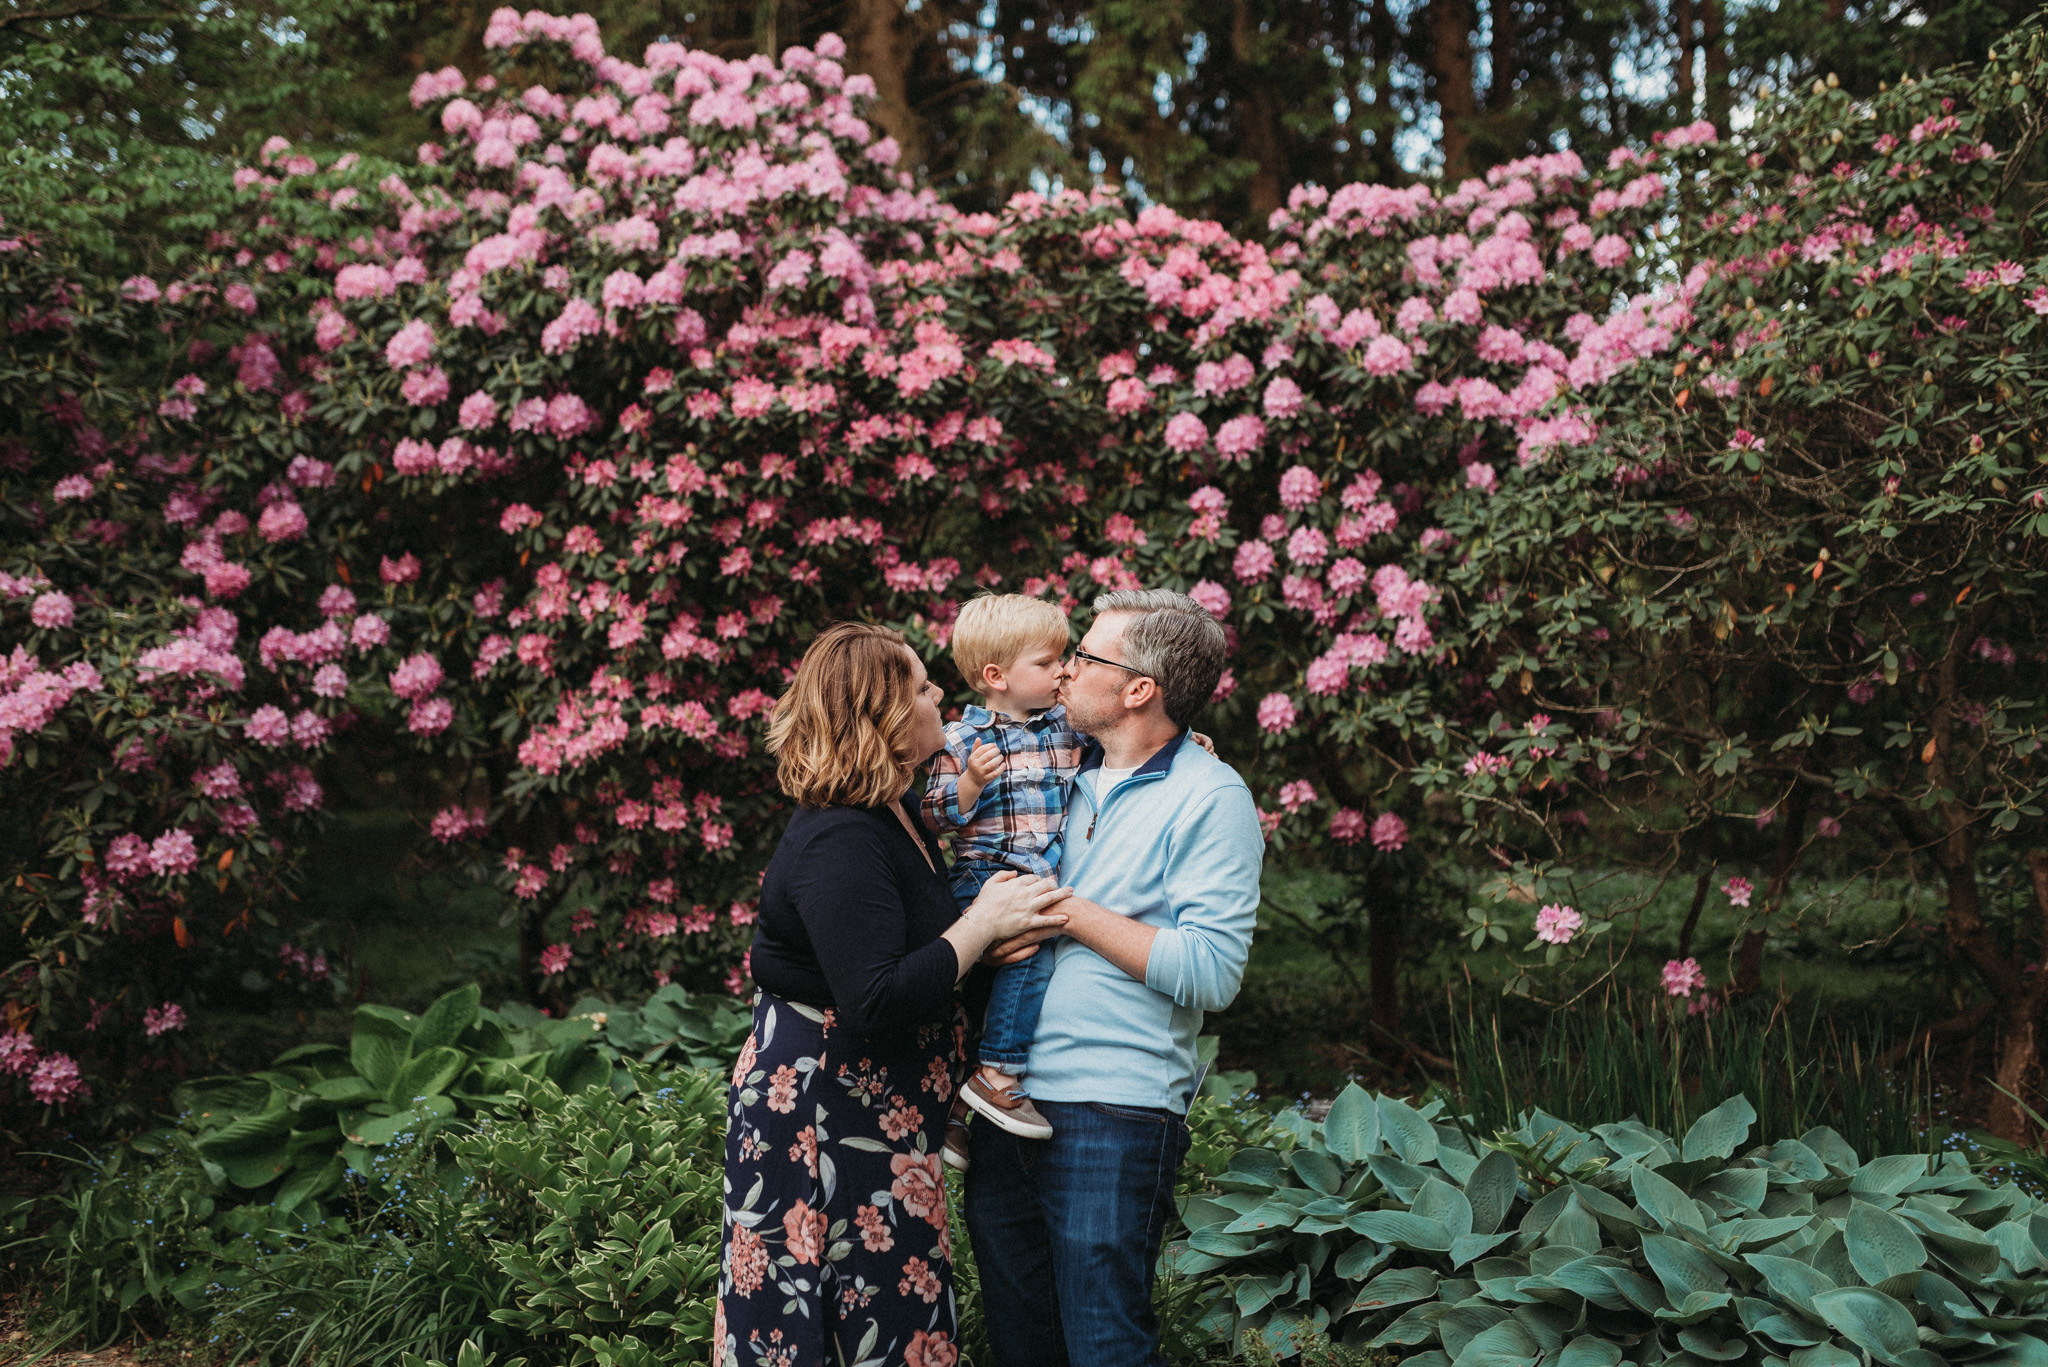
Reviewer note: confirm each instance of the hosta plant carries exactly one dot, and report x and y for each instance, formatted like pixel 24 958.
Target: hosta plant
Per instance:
pixel 322 1111
pixel 1390 1229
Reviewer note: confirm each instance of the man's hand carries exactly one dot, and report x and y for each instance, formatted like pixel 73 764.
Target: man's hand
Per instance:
pixel 983 764
pixel 1018 948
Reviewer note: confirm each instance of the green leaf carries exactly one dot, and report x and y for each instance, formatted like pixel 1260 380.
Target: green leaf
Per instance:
pixel 346 1090
pixel 1412 1138
pixel 1719 1132
pixel 1507 1344
pixel 1318 1170
pixel 426 1074
pixel 447 1019
pixel 1403 1230
pixel 377 1048
pixel 1682 1268
pixel 1397 1287
pixel 1825 1355
pixel 1871 1320
pixel 1589 1350
pixel 1491 1190
pixel 382 1129
pixel 1443 1204
pixel 1351 1130
pixel 1890 1175
pixel 1881 1245
pixel 1790 1280
pixel 1663 1202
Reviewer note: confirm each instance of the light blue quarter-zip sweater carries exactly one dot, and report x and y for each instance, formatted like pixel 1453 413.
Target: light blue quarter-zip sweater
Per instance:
pixel 1177 846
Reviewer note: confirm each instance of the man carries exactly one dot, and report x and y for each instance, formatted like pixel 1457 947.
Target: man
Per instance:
pixel 1163 850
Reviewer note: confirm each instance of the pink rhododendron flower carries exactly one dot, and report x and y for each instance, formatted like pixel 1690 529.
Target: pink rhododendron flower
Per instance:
pixel 51 610
pixel 1212 596
pixel 478 411
pixel 1347 826
pixel 1739 891
pixel 430 716
pixel 55 1080
pixel 554 959
pixel 1389 832
pixel 1239 437
pixel 268 725
pixel 1682 977
pixel 1185 433
pixel 1276 713
pixel 410 346
pixel 1557 924
pixel 1254 561
pixel 173 853
pixel 160 1020
pixel 282 521
pixel 418 676
pixel 1388 355
pixel 17 1053
pixel 1296 795
pixel 1828 827
pixel 1300 487
pixel 1283 398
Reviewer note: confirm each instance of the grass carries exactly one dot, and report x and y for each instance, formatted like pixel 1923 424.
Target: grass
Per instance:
pixel 1627 1055
pixel 1866 957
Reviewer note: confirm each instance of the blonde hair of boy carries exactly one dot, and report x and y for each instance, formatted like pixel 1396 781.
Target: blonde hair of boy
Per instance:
pixel 997 628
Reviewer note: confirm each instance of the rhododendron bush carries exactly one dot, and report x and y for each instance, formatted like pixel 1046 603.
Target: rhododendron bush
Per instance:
pixel 547 455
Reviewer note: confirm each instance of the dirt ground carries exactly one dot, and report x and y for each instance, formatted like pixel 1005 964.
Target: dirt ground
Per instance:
pixel 16 1348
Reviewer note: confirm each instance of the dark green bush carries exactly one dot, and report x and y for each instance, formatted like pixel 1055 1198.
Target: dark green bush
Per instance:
pixel 326 1191
pixel 603 1215
pixel 1389 1230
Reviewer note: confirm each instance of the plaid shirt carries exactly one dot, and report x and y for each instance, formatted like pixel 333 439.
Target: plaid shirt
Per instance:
pixel 1016 825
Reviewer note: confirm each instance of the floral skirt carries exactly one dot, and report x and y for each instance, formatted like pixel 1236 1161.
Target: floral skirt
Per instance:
pixel 835 1246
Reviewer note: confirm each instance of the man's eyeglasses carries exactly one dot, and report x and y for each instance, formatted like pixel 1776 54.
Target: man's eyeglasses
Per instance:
pixel 1079 654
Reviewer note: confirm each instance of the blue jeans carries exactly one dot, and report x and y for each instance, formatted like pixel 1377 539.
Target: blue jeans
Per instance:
pixel 1019 992
pixel 1066 1233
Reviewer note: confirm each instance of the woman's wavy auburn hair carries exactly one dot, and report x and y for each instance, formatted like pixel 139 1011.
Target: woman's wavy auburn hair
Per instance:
pixel 841 734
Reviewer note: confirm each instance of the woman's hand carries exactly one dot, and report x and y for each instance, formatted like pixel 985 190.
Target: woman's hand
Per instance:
pixel 1009 906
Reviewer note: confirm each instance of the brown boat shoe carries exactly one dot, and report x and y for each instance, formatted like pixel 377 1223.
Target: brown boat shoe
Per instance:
pixel 1007 1109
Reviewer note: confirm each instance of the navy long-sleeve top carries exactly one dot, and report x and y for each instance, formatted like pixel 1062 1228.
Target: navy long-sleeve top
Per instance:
pixel 851 918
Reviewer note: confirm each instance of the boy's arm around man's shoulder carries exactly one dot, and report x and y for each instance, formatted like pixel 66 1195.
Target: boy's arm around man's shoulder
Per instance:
pixel 1213 860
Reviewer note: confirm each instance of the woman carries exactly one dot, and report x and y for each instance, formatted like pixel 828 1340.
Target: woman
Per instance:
pixel 836 1247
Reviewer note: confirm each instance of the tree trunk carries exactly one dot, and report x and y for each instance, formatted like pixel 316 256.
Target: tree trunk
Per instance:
pixel 1450 67
pixel 1714 38
pixel 1258 118
pixel 2018 1073
pixel 1505 52
pixel 880 37
pixel 766 13
pixel 1682 20
pixel 1383 946
pixel 2018 1000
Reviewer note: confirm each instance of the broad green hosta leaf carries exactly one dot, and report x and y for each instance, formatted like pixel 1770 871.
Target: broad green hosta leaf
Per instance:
pixel 1797 1253
pixel 1720 1132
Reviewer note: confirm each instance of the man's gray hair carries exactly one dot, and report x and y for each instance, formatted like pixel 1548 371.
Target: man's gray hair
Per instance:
pixel 1174 640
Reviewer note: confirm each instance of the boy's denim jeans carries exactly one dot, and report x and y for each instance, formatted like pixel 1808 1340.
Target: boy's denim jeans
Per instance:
pixel 1019 990
pixel 1066 1233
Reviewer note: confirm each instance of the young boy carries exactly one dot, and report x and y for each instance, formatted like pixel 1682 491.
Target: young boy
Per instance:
pixel 1001 783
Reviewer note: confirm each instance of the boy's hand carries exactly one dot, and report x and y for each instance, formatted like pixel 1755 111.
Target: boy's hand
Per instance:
pixel 984 762
pixel 1198 738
